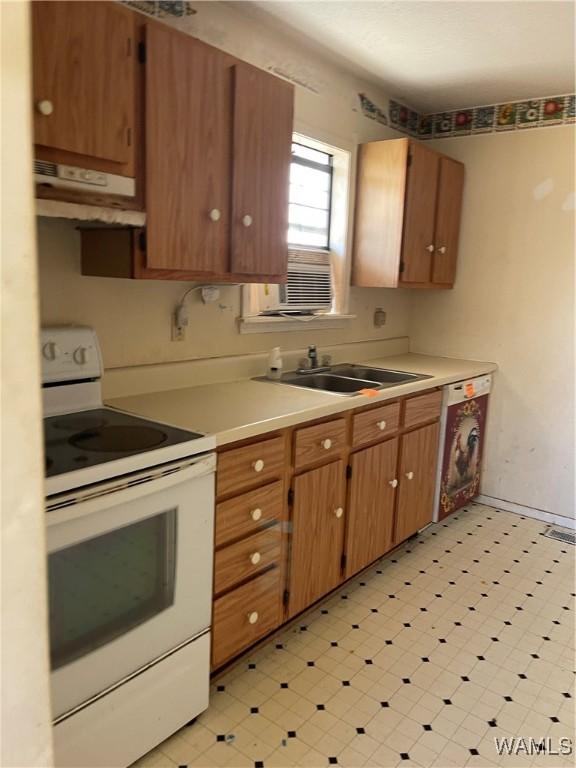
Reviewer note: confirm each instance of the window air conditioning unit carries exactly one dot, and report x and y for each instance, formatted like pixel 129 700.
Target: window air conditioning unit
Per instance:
pixel 308 289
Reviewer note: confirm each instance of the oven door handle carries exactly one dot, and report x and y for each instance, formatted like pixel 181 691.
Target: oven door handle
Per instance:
pixel 120 491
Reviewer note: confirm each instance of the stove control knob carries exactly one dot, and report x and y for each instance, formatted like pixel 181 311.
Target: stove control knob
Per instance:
pixel 80 355
pixel 50 351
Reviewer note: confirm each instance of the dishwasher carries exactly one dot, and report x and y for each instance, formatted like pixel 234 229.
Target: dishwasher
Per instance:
pixel 462 434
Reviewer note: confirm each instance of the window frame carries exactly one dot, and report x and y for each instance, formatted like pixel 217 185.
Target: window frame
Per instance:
pixel 329 170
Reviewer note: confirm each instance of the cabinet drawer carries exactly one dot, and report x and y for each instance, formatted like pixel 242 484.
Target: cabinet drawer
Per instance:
pixel 422 408
pixel 375 424
pixel 251 465
pixel 239 561
pixel 247 513
pixel 322 441
pixel 245 615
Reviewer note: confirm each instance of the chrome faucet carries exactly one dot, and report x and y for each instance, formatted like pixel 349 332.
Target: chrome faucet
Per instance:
pixel 313 356
pixel 312 366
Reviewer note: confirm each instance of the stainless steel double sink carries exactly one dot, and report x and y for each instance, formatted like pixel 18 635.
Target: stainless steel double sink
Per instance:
pixel 348 379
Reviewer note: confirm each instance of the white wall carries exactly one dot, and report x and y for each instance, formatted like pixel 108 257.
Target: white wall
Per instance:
pixel 514 303
pixel 26 721
pixel 132 318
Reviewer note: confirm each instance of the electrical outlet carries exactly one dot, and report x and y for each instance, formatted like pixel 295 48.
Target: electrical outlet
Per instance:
pixel 178 331
pixel 379 317
pixel 179 322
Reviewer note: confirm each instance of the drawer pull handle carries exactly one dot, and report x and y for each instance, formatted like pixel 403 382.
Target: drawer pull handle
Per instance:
pixel 393 483
pixel 442 249
pixel 256 514
pixel 327 444
pixel 410 475
pixel 258 465
pixel 381 425
pixel 430 248
pixel 253 617
pixel 247 220
pixel 215 214
pixel 339 512
pixel 255 558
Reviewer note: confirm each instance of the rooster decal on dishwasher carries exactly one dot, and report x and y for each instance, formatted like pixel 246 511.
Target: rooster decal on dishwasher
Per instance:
pixel 464 454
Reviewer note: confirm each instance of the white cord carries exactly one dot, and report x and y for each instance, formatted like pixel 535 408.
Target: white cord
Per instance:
pixel 189 291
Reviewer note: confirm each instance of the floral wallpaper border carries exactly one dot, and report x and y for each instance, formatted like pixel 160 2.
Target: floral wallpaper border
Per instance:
pixel 492 118
pixel 161 9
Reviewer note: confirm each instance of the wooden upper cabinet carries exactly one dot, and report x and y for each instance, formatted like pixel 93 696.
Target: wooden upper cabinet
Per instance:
pixel 448 212
pixel 317 541
pixel 419 215
pixel 372 494
pixel 188 152
pixel 417 480
pixel 218 138
pixel 408 206
pixel 263 107
pixel 84 70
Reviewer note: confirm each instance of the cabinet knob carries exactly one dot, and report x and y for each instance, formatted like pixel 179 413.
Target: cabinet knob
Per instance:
pixel 253 617
pixel 381 425
pixel 215 214
pixel 430 248
pixel 393 483
pixel 442 249
pixel 410 475
pixel 255 558
pixel 339 512
pixel 327 444
pixel 247 220
pixel 258 465
pixel 45 107
pixel 256 514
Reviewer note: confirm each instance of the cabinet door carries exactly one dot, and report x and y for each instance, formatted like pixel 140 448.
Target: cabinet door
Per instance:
pixel 448 212
pixel 263 107
pixel 371 505
pixel 317 534
pixel 84 72
pixel 188 145
pixel 417 476
pixel 419 215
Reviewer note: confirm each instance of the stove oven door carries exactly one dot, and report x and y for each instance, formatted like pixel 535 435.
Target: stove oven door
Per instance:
pixel 130 577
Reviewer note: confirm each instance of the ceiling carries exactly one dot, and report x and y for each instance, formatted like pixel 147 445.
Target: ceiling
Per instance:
pixel 438 55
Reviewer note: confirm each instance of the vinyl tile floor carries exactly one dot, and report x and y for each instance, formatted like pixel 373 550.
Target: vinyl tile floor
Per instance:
pixel 463 636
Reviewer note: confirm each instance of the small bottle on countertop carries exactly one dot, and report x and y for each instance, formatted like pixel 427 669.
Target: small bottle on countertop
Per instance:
pixel 275 364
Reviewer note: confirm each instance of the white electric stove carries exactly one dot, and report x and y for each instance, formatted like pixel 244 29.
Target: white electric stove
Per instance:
pixel 130 517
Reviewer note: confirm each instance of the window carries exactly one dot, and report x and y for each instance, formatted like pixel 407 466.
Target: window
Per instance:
pixel 310 198
pixel 317 288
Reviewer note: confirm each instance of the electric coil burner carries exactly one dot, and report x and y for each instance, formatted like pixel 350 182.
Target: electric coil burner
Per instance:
pixel 84 441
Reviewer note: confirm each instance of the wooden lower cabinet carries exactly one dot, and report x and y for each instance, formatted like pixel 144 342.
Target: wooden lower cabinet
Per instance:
pixel 360 484
pixel 245 615
pixel 317 534
pixel 417 479
pixel 371 498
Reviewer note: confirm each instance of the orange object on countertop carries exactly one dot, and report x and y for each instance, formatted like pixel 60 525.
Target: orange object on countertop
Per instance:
pixel 469 389
pixel 368 392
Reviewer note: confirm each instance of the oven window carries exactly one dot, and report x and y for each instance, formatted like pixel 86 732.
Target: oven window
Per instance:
pixel 104 587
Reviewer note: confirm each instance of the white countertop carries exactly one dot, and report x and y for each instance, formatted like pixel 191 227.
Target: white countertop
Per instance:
pixel 240 409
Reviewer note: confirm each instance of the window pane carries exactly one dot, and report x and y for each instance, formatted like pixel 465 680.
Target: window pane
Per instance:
pixel 299 150
pixel 310 189
pixel 309 177
pixel 101 588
